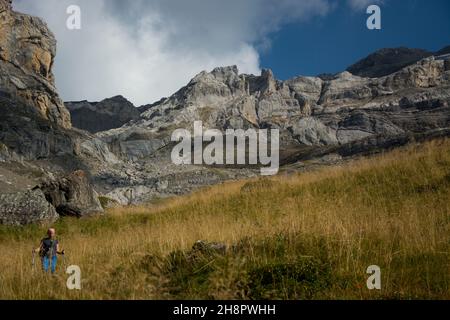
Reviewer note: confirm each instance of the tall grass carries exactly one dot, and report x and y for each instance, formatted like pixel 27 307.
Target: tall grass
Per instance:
pixel 303 236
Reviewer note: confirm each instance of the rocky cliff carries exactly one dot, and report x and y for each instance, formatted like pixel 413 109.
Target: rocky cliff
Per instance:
pixel 27 52
pixel 37 142
pixel 104 115
pixel 34 122
pixel 309 111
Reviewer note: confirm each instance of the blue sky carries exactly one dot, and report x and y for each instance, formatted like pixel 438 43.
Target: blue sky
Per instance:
pixel 330 44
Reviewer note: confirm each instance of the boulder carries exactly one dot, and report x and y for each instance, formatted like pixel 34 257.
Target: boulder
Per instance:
pixel 72 195
pixel 208 248
pixel 26 207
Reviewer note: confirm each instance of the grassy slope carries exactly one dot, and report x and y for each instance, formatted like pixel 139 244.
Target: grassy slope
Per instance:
pixel 310 236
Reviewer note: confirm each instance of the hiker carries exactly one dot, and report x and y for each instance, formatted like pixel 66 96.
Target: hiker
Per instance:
pixel 48 251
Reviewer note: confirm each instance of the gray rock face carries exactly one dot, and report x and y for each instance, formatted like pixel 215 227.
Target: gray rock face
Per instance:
pixel 308 111
pixel 104 115
pixel 27 52
pixel 36 137
pixel 26 135
pixel 387 61
pixel 312 132
pixel 23 208
pixel 34 123
pixel 72 195
pixel 343 115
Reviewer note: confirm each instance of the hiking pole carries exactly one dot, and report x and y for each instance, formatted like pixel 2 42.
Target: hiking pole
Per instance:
pixel 33 253
pixel 64 260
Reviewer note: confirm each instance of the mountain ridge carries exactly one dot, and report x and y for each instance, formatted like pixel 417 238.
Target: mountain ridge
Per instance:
pixel 385 61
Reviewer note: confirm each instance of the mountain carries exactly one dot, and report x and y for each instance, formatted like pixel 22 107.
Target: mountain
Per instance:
pixel 389 60
pixel 101 116
pixel 309 111
pixel 45 162
pixel 386 61
pixel 326 120
pixel 443 51
pixel 151 105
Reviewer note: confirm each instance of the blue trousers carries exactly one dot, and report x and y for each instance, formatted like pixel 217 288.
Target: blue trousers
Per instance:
pixel 46 264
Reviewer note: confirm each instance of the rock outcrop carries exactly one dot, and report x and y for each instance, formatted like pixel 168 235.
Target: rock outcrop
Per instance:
pixel 69 195
pixel 27 52
pixel 72 195
pixel 34 123
pixel 26 135
pixel 37 140
pixel 104 115
pixel 27 207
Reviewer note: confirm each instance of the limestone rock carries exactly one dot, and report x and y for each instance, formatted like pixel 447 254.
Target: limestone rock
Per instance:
pixel 24 208
pixel 424 74
pixel 72 195
pixel 5 5
pixel 311 131
pixel 27 52
pixel 314 115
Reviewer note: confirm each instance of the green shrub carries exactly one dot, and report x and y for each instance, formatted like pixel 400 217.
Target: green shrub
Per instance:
pixel 288 280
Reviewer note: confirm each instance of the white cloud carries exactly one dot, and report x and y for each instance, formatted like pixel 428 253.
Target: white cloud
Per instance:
pixel 145 50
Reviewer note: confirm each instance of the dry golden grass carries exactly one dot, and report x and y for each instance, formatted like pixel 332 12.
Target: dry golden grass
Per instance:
pixel 391 210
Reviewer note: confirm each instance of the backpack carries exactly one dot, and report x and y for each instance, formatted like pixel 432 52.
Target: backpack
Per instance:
pixel 49 248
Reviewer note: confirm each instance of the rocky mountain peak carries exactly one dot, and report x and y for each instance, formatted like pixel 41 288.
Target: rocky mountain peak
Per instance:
pixel 220 74
pixel 270 81
pixel 118 98
pixel 107 114
pixel 226 71
pixel 387 61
